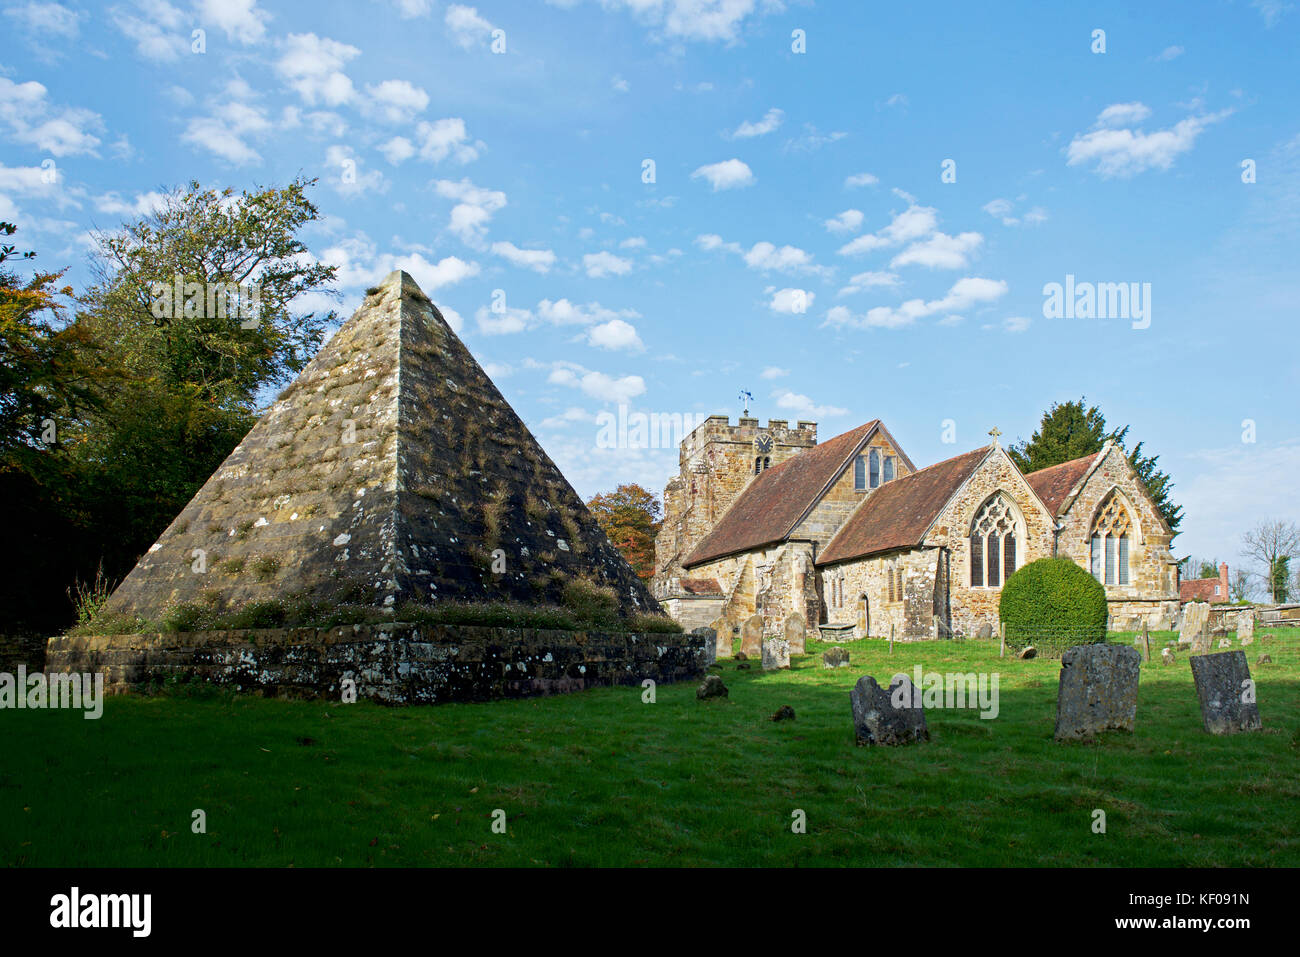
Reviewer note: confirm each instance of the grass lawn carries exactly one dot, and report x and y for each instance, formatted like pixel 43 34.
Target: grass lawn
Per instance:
pixel 601 778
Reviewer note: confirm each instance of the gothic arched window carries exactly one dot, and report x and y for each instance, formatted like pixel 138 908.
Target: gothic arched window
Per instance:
pixel 1109 543
pixel 995 537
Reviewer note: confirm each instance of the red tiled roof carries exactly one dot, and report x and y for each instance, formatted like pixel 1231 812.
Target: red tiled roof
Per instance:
pixel 1053 484
pixel 701 586
pixel 770 506
pixel 897 514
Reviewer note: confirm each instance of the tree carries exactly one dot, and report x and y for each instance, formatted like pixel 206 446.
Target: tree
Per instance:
pixel 1071 430
pixel 1272 544
pixel 1240 587
pixel 631 517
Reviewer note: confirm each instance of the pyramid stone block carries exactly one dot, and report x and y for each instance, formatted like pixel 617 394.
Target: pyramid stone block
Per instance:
pixel 390 470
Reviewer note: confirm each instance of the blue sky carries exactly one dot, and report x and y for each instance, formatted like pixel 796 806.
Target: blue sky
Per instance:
pixel 799 239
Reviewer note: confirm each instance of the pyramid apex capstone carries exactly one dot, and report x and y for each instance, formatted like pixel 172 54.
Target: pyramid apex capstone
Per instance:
pixel 403 279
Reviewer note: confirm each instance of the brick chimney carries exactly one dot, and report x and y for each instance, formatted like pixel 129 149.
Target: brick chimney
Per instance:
pixel 1223 581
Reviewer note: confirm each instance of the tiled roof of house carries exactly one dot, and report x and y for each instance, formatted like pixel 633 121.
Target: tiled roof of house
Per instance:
pixel 772 504
pixel 1053 484
pixel 897 514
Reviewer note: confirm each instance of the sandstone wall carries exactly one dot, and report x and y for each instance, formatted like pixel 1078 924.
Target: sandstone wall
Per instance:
pixel 392 664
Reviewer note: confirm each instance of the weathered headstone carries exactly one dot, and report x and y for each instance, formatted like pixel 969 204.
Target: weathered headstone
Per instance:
pixel 890 716
pixel 1195 627
pixel 796 633
pixel 751 636
pixel 1225 642
pixel 1098 690
pixel 835 658
pixel 1027 652
pixel 722 628
pixel 776 654
pixel 1263 659
pixel 986 631
pixel 1248 640
pixel 1246 626
pixel 1167 656
pixel 711 687
pixel 710 644
pixel 1226 693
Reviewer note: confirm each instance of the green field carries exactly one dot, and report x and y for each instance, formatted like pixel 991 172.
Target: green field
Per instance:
pixel 601 778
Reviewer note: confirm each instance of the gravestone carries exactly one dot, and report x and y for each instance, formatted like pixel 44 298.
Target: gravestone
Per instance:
pixel 1195 627
pixel 1263 659
pixel 1246 626
pixel 887 717
pixel 722 627
pixel 1226 693
pixel 1247 640
pixel 835 658
pixel 751 636
pixel 711 687
pixel 1225 642
pixel 1027 652
pixel 796 634
pixel 1098 690
pixel 1167 656
pixel 986 631
pixel 710 644
pixel 776 654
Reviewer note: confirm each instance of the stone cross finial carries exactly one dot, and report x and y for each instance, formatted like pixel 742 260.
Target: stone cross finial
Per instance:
pixel 995 432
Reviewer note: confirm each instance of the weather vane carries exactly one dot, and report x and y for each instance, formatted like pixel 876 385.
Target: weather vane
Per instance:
pixel 746 397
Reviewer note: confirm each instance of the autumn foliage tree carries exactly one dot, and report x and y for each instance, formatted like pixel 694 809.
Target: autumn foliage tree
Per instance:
pixel 631 517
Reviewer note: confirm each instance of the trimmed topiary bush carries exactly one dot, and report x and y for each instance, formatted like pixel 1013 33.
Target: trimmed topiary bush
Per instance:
pixel 1053 604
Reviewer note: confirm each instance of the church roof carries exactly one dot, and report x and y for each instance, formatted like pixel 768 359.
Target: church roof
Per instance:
pixel 1053 484
pixel 770 507
pixel 898 513
pixel 390 470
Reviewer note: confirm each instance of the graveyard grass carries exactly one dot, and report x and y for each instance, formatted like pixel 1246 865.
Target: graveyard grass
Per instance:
pixel 600 778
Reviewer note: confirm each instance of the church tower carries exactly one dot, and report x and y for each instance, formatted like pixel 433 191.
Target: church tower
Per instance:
pixel 717 461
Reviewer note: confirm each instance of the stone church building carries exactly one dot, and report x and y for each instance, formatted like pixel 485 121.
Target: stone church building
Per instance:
pixel 850 535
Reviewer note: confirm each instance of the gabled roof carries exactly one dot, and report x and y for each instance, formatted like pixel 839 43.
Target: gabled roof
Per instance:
pixel 1053 484
pixel 898 513
pixel 770 507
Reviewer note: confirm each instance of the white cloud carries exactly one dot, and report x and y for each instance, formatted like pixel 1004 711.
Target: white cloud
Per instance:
pixel 939 251
pixel 701 20
pixel 457 323
pixel 144 204
pixel 729 174
pixel 466 27
pixel 633 242
pixel 1016 323
pixel 598 385
pixel 396 101
pixel 971 291
pixel 1270 10
pixel 360 265
pixel 410 9
pixel 869 280
pixel 912 223
pixel 505 321
pixel 538 260
pixel 602 264
pixel 792 302
pixel 158 29
pixel 446 138
pixel 397 150
pixel 804 406
pixel 770 121
pixel 860 179
pixel 230 122
pixel 1169 53
pixel 615 334
pixel 240 19
pixel 313 66
pixel 1225 491
pixel 568 416
pixel 63 131
pixel 1002 209
pixel 48 18
pixel 774 372
pixel 766 255
pixel 348 178
pixel 473 209
pixel 562 312
pixel 846 222
pixel 1127 152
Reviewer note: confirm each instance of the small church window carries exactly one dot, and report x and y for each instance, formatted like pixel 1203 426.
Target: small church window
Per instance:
pixel 976 561
pixel 889 468
pixel 875 468
pixel 859 474
pixel 890 574
pixel 898 588
pixel 767 463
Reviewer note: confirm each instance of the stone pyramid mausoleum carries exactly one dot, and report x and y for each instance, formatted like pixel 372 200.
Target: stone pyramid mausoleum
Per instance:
pixel 390 470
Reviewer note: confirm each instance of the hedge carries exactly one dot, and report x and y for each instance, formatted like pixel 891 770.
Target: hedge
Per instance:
pixel 1052 604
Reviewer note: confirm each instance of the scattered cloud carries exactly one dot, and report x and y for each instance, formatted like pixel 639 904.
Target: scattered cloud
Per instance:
pixel 473 210
pixel 802 405
pixel 538 260
pixel 59 131
pixel 793 302
pixel 939 251
pixel 770 121
pixel 313 67
pixel 913 223
pixel 860 179
pixel 1117 152
pixel 466 27
pixel 615 335
pixel 774 372
pixel 964 294
pixel 602 264
pixel 849 221
pixel 729 174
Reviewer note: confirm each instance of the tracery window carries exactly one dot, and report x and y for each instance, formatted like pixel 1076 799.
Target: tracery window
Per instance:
pixel 1111 531
pixel 875 468
pixel 889 468
pixel 994 537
